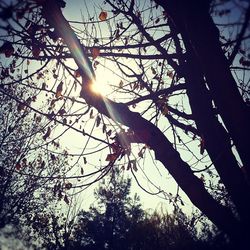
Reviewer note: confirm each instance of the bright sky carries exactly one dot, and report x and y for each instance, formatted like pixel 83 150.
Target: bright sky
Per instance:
pixel 150 173
pixel 104 78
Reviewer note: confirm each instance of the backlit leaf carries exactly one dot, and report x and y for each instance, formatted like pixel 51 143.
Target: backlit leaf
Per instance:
pixel 59 90
pixel 202 146
pixel 66 199
pixel 140 154
pixel 165 110
pixel 47 133
pixel 36 51
pixel 62 111
pixel 52 156
pixel 95 52
pixel 20 107
pixel 18 166
pixel 77 73
pixel 121 84
pixel 91 116
pixel 170 74
pixel 68 185
pixel 157 20
pixel 153 70
pixel 129 165
pixel 95 64
pixel 134 165
pixel 109 132
pixel 104 128
pixel 98 121
pixel 44 86
pixel 7 49
pixel 103 15
pixel 111 157
pixel 84 160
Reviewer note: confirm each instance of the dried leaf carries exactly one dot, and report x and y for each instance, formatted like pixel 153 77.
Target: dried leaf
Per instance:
pixel 140 154
pixel 95 64
pixel 202 145
pixel 91 116
pixel 136 86
pixel 43 164
pixel 95 53
pixel 7 49
pixel 182 203
pixel 52 156
pixel 121 84
pixel 165 110
pixel 157 20
pixel 59 90
pixel 153 70
pixel 109 132
pixel 115 148
pixel 66 199
pixel 134 165
pixel 77 73
pixel 104 128
pixel 18 166
pixel 84 160
pixel 68 185
pixel 111 157
pixel 38 119
pixel 98 121
pixel 20 107
pixel 47 133
pixel 36 51
pixel 117 34
pixel 129 165
pixel 40 75
pixel 170 74
pixel 62 111
pixel 103 15
pixel 82 171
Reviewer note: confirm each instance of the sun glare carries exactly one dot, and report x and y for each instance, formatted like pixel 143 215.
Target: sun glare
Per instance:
pixel 99 88
pixel 102 83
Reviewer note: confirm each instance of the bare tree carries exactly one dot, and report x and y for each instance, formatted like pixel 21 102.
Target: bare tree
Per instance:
pixel 176 73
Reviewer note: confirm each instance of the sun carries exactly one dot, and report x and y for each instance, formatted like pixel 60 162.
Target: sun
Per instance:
pixel 102 84
pixel 99 88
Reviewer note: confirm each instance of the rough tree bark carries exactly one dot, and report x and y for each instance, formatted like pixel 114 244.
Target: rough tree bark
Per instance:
pixel 206 60
pixel 196 26
pixel 217 141
pixel 157 141
pixel 216 138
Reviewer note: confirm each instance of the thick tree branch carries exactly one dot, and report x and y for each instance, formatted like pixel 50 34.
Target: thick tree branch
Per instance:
pixel 198 28
pixel 143 129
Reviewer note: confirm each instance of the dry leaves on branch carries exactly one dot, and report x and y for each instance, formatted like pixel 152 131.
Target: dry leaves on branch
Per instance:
pixel 103 15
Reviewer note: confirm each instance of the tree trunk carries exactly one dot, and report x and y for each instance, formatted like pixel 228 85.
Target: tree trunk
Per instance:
pixel 216 139
pixel 192 19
